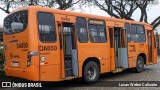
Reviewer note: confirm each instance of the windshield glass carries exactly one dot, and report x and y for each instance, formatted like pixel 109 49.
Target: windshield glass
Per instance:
pixel 16 22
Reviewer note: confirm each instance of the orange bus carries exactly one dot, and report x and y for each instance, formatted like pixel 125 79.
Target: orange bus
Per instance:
pixel 43 44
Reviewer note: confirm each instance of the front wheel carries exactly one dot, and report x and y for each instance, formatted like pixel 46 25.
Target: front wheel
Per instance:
pixel 91 72
pixel 140 64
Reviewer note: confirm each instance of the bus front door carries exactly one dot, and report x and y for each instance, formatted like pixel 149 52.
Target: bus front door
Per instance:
pixel 69 50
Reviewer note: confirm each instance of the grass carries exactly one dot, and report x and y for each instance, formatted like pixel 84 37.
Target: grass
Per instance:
pixel 1 70
pixel 2 74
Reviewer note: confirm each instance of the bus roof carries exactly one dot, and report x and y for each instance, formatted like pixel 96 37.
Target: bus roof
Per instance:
pixel 72 13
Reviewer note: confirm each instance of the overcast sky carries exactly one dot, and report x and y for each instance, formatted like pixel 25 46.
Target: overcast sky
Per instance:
pixel 153 12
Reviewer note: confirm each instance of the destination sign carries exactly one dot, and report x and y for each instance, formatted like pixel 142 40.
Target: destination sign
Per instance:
pixel 96 22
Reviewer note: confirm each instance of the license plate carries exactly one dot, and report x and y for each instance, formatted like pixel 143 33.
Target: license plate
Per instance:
pixel 15 64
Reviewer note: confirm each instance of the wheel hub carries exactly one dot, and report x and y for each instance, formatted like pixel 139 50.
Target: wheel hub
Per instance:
pixel 91 74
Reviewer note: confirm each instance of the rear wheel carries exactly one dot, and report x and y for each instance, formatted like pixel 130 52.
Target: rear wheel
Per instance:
pixel 140 64
pixel 91 72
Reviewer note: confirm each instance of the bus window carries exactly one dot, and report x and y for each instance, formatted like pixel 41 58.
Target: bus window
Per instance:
pixel 97 32
pixel 16 22
pixel 127 26
pixel 140 29
pixel 82 30
pixel 46 27
pixel 134 35
pixel 133 29
pixel 102 33
pixel 93 33
pixel 141 33
pixel 138 33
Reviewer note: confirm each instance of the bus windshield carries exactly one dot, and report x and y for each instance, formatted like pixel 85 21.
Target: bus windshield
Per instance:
pixel 16 22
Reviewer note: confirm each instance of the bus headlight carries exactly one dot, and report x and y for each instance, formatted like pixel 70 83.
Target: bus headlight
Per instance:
pixel 43 58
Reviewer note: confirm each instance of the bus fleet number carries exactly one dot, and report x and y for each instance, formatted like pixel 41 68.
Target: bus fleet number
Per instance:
pixel 48 48
pixel 22 45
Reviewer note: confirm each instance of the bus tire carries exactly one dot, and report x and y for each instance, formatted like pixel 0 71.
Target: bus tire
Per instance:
pixel 91 73
pixel 139 65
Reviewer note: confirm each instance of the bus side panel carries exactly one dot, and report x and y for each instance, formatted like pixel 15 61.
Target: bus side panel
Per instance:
pixel 135 49
pixel 131 55
pixel 50 69
pixel 100 51
pixel 155 58
pixel 113 67
pixel 50 73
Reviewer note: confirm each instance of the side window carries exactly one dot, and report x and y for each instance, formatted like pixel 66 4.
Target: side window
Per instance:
pixel 140 29
pixel 133 29
pixel 93 33
pixel 101 33
pixel 128 32
pixel 97 31
pixel 46 27
pixel 133 32
pixel 82 30
pixel 138 33
pixel 141 33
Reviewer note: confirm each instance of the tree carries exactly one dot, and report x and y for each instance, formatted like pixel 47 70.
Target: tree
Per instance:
pixel 156 22
pixel 117 8
pixel 14 4
pixel 143 6
pixel 124 9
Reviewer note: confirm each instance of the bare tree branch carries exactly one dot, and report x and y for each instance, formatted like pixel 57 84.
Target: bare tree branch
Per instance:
pixel 117 8
pixel 156 22
pixel 60 4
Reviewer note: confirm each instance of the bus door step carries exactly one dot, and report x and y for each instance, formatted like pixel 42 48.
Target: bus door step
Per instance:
pixel 68 72
pixel 118 70
pixel 151 63
pixel 71 77
pixel 68 68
